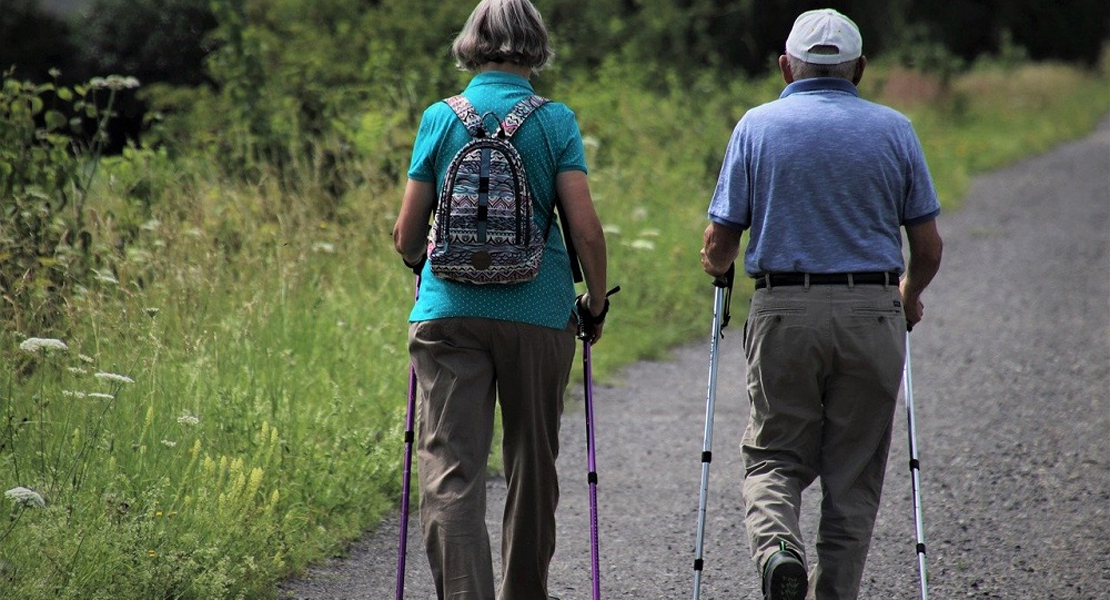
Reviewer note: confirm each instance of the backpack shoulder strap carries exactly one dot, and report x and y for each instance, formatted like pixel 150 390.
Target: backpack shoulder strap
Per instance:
pixel 467 114
pixel 518 114
pixel 512 122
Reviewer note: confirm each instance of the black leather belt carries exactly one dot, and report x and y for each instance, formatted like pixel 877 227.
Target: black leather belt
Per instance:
pixel 785 279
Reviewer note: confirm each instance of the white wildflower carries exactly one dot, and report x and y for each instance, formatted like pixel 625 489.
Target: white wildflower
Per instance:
pixel 611 229
pixel 86 358
pixel 643 244
pixel 73 393
pixel 151 311
pixel 649 233
pixel 101 395
pixel 113 377
pixel 169 443
pixel 77 370
pixel 35 344
pixel 127 82
pixel 26 497
pixel 188 420
pixel 325 247
pixel 113 82
pixel 639 213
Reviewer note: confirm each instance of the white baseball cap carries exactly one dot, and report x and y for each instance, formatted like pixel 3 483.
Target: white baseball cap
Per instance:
pixel 824 37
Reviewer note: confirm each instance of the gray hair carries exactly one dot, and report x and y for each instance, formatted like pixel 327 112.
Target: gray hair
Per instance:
pixel 804 70
pixel 503 31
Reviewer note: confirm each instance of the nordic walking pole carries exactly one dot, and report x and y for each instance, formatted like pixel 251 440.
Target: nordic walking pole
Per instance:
pixel 586 323
pixel 591 476
pixel 915 470
pixel 402 545
pixel 721 302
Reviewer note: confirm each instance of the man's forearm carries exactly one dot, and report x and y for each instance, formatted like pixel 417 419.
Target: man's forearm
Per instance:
pixel 926 249
pixel 722 246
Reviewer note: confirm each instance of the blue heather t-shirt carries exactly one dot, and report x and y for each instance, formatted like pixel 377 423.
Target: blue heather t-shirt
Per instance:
pixel 549 143
pixel 823 180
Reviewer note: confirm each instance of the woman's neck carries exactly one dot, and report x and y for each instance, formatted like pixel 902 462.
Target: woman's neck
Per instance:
pixel 515 69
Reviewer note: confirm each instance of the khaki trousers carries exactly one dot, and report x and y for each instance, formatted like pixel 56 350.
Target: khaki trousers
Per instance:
pixel 461 365
pixel 824 370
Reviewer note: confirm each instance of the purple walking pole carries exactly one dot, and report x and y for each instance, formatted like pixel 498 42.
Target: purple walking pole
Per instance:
pixel 586 324
pixel 406 483
pixel 591 477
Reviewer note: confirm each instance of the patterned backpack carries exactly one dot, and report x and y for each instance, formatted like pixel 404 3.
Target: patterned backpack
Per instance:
pixel 483 230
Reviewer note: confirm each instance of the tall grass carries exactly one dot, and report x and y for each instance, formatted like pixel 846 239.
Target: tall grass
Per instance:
pixel 252 429
pixel 229 406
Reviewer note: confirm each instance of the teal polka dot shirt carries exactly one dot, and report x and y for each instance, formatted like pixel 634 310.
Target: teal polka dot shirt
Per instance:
pixel 550 143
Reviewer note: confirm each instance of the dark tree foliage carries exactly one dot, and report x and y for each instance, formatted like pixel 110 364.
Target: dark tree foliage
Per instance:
pixel 33 41
pixel 688 35
pixel 287 68
pixel 152 40
pixel 1072 30
pixel 155 41
pixel 586 31
pixel 168 40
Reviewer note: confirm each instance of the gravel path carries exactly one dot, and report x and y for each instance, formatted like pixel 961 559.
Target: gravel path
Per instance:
pixel 1011 369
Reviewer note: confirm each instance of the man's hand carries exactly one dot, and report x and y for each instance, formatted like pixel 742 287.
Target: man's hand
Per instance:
pixel 912 305
pixel 722 245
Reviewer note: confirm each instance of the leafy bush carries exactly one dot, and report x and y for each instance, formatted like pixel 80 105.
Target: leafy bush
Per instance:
pixel 288 103
pixel 46 170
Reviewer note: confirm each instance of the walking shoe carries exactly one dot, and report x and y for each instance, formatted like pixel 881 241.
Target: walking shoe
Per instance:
pixel 784 577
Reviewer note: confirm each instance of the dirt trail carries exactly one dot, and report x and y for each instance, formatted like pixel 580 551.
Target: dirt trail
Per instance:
pixel 1011 372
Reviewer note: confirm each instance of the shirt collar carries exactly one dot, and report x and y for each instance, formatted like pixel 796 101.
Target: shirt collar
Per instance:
pixel 499 78
pixel 820 84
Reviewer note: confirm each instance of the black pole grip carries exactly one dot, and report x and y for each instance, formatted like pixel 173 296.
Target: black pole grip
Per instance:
pixel 725 282
pixel 587 322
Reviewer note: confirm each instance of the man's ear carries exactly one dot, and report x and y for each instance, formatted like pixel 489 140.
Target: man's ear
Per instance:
pixel 861 64
pixel 787 73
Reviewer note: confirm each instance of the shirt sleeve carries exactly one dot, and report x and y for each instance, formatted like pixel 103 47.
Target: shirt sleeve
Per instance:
pixel 573 155
pixel 422 165
pixel 731 202
pixel 921 202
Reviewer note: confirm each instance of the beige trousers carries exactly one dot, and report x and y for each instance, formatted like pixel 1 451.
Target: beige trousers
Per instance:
pixel 824 370
pixel 462 365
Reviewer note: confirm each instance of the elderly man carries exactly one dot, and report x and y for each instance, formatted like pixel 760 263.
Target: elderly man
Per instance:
pixel 824 182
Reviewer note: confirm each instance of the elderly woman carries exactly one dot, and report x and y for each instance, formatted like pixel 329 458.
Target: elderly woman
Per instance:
pixel 472 345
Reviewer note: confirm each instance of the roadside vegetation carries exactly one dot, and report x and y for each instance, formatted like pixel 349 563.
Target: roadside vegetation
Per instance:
pixel 203 346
